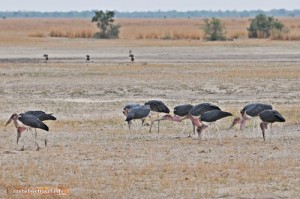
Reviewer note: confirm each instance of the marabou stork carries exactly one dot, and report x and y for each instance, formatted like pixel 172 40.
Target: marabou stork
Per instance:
pixel 41 115
pixel 211 117
pixel 131 56
pixel 46 57
pixel 248 112
pixel 269 116
pixel 137 112
pixel 25 121
pixel 88 58
pixel 198 110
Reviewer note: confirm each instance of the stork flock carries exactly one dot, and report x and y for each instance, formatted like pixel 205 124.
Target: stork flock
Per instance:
pixel 202 114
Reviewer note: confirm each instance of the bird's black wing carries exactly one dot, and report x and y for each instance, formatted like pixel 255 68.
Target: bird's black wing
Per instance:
pixel 202 108
pixel 130 106
pixel 214 115
pixel 138 113
pixel 271 116
pixel 254 109
pixel 183 110
pixel 158 106
pixel 41 115
pixel 32 121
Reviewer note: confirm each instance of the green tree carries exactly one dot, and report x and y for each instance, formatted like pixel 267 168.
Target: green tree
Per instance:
pixel 213 29
pixel 105 22
pixel 262 26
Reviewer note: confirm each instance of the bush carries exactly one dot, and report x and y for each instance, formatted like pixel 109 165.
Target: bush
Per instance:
pixel 213 29
pixel 262 26
pixel 105 21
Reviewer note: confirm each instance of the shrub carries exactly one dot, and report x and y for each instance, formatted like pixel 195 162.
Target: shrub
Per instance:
pixel 213 29
pixel 105 21
pixel 262 26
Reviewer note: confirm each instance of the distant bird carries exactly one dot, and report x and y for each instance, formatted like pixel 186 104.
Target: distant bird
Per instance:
pixel 198 110
pixel 158 107
pixel 46 57
pixel 179 112
pixel 25 121
pixel 131 56
pixel 137 112
pixel 88 58
pixel 269 116
pixel 248 112
pixel 41 115
pixel 211 117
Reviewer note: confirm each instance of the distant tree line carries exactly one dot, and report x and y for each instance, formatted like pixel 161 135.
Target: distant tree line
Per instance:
pixel 153 14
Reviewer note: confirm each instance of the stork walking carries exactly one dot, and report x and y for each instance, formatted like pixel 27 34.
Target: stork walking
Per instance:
pixel 88 58
pixel 46 57
pixel 269 116
pixel 248 112
pixel 131 56
pixel 25 121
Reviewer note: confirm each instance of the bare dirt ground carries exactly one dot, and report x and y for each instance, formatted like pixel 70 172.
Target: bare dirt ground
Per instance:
pixel 94 155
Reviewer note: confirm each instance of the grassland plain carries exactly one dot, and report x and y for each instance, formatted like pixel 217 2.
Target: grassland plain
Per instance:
pixel 90 149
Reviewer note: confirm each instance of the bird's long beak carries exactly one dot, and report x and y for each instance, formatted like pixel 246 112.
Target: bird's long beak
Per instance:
pixel 9 121
pixel 159 119
pixel 232 125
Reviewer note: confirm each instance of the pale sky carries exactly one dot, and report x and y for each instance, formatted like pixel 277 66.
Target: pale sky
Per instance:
pixel 145 5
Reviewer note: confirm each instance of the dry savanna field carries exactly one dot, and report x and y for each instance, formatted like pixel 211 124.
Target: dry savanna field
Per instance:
pixel 92 154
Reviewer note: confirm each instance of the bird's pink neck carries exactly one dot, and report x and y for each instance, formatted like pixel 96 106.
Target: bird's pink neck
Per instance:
pixel 194 120
pixel 176 118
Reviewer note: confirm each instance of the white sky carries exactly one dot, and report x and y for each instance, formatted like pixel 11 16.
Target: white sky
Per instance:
pixel 145 5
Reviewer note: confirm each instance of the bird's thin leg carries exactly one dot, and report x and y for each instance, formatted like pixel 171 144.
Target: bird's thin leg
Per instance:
pixel 23 147
pixel 182 131
pixel 158 125
pixel 35 136
pixel 151 126
pixel 46 141
pixel 208 135
pixel 219 135
pixel 129 124
pixel 271 129
pixel 253 126
pixel 194 127
pixel 143 120
pixel 37 146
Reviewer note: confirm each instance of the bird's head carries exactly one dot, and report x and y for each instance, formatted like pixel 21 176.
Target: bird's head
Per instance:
pixel 125 111
pixel 201 128
pixel 13 117
pixel 236 120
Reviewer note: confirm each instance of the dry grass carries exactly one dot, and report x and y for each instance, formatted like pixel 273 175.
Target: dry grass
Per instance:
pixel 90 149
pixel 139 29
